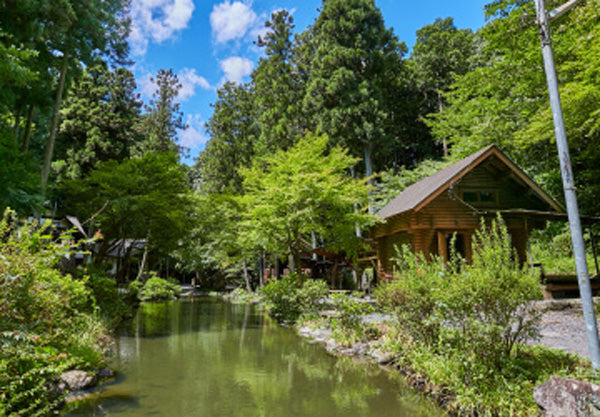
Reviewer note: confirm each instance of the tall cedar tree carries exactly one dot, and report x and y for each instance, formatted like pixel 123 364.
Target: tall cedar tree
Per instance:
pixel 100 120
pixel 441 53
pixel 233 131
pixel 357 63
pixel 164 117
pixel 277 86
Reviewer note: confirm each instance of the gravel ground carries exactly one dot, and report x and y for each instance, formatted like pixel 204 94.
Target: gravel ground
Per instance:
pixel 563 328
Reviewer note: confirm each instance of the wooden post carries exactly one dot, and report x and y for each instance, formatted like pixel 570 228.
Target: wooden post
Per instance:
pixel 442 246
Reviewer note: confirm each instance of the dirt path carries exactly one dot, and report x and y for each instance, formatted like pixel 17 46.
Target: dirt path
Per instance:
pixel 563 328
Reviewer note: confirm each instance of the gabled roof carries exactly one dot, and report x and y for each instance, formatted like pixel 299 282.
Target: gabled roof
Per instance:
pixel 422 192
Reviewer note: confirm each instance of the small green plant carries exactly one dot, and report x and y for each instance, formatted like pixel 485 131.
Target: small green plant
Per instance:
pixel 157 289
pixel 347 325
pixel 287 300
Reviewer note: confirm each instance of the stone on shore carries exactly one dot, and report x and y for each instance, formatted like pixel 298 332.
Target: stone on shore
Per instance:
pixel 562 397
pixel 76 381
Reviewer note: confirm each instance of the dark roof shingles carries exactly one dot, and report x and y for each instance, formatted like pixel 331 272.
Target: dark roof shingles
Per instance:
pixel 413 195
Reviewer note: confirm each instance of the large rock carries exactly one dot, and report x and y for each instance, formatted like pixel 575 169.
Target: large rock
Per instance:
pixel 76 381
pixel 561 397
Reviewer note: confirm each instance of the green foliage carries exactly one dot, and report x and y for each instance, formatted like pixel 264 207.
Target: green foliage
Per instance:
pixel 99 120
pixel 145 198
pixel 505 100
pixel 487 302
pixel 278 90
pixel 347 326
pixel 19 182
pixel 286 299
pixel 110 304
pixel 27 365
pixel 302 190
pixel 163 116
pixel 158 289
pixel 46 327
pixel 415 296
pixel 233 132
pixel 464 325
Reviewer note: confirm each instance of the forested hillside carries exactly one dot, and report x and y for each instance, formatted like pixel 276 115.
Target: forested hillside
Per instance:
pixel 77 139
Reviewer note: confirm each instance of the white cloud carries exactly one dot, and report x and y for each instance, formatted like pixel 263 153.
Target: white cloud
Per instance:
pixel 157 20
pixel 193 137
pixel 232 20
pixel 189 81
pixel 146 85
pixel 236 68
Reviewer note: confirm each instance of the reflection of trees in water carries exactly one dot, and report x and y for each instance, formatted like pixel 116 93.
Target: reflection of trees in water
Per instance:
pixel 229 361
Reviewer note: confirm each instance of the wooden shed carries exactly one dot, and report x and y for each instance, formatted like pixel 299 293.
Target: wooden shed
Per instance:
pixel 452 201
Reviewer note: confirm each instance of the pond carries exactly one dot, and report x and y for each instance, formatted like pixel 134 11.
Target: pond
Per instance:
pixel 204 357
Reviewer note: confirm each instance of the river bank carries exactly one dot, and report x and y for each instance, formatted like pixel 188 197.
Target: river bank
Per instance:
pixel 562 342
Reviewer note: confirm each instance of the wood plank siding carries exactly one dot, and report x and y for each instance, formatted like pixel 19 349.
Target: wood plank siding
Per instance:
pixel 453 201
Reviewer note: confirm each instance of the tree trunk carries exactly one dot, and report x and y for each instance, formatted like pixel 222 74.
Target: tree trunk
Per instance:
pixel 17 125
pixel 27 136
pixel 144 256
pixel 369 170
pixel 262 270
pixel 440 110
pixel 54 122
pixel 246 279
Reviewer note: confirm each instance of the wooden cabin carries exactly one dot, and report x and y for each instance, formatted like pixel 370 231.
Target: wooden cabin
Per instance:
pixel 452 201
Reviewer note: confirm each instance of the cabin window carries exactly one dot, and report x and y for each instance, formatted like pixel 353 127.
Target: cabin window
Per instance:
pixel 480 196
pixel 487 197
pixel 470 196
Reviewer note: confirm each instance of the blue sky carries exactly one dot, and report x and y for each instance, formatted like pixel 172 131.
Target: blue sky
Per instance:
pixel 209 42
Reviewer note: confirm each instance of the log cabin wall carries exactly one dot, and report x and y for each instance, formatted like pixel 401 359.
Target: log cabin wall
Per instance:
pixel 429 230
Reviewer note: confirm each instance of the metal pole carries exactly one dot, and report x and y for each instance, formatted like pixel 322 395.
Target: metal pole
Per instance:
pixel 583 277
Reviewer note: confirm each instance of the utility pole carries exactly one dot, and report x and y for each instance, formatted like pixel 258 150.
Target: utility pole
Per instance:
pixel 583 276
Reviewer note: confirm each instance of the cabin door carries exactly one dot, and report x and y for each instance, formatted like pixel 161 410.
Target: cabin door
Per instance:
pixel 454 241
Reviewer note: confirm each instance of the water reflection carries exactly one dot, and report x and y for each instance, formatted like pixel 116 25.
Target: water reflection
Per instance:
pixel 207 358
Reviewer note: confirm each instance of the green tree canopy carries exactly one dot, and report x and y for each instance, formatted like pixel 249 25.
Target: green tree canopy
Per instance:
pixel 163 117
pixel 506 101
pixel 354 76
pixel 305 189
pixel 139 198
pixel 100 120
pixel 233 131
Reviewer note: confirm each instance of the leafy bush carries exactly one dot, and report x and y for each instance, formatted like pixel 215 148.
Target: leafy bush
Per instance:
pixel 27 368
pixel 462 325
pixel 156 289
pixel 482 308
pixel 111 305
pixel 286 300
pixel 45 317
pixel 416 296
pixel 487 304
pixel 347 326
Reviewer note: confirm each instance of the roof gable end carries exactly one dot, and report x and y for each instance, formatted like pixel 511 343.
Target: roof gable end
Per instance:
pixel 419 194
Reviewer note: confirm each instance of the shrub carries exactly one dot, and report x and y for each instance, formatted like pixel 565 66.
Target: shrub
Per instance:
pixel 415 297
pixel 156 289
pixel 286 300
pixel 106 298
pixel 487 304
pixel 44 316
pixel 347 326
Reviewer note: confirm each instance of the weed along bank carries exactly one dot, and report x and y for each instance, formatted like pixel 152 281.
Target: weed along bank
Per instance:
pixel 428 214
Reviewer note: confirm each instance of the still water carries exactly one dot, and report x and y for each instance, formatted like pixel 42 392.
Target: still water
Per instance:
pixel 207 358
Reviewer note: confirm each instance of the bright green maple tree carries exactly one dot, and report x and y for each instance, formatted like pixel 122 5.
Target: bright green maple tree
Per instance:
pixel 291 194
